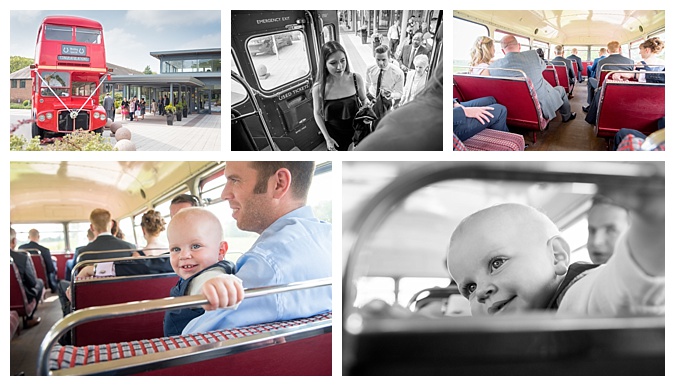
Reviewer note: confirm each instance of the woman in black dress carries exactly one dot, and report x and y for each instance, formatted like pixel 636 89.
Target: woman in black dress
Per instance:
pixel 337 92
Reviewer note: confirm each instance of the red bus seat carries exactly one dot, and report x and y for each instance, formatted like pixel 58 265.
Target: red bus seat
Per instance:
pixel 61 260
pixel 516 94
pixel 551 76
pixel 492 140
pixel 630 105
pixel 455 93
pixel 38 264
pixel 563 78
pixel 294 347
pixel 576 70
pixel 17 295
pixel 584 67
pixel 104 291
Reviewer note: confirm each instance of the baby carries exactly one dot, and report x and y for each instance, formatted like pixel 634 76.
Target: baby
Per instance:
pixel 197 254
pixel 511 258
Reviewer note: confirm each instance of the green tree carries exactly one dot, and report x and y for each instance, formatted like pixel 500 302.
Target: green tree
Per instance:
pixel 147 71
pixel 18 62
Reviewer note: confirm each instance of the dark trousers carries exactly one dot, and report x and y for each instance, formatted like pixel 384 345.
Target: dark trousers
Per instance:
pixel 468 127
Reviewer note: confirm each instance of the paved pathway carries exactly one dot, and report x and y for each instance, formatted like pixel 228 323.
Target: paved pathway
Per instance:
pixel 197 132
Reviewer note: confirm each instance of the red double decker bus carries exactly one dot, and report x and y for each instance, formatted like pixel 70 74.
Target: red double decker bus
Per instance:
pixel 68 73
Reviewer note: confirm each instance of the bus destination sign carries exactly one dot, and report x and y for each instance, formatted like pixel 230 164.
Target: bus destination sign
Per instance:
pixel 67 49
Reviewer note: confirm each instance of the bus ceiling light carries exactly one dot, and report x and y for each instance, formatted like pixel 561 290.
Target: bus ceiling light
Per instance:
pixel 536 30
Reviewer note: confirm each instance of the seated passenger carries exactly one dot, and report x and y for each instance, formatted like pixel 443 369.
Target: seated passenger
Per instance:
pixel 618 61
pixel 152 225
pixel 32 286
pixel 197 253
pixel 511 258
pixel 45 253
pixel 470 118
pixel 269 198
pixel 71 262
pixel 560 52
pixel 482 54
pixel 551 98
pixel 637 138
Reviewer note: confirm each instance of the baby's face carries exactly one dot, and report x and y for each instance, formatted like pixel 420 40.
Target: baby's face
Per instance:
pixel 502 269
pixel 194 245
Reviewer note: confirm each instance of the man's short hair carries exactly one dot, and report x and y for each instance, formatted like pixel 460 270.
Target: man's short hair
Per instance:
pixel 33 233
pixel 559 49
pixel 301 175
pixel 382 49
pixel 189 198
pixel 100 219
pixel 12 234
pixel 613 47
pixel 603 50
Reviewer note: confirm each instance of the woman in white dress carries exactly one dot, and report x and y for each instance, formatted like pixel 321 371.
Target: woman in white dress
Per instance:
pixel 415 81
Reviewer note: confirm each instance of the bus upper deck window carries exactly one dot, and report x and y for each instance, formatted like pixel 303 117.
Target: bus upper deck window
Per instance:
pixel 87 35
pixel 57 32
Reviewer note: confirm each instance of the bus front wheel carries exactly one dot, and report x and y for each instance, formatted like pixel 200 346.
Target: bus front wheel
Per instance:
pixel 37 131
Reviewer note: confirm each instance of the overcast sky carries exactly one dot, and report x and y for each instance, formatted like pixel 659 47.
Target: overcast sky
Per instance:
pixel 129 35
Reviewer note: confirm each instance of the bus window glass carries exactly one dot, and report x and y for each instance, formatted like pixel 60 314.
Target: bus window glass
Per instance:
pixel 544 46
pixel 374 288
pixel 466 34
pixel 278 59
pixel 59 33
pixel 51 235
pixel 83 89
pixel 59 82
pixel 582 51
pixel 237 92
pixel 409 286
pixel 328 34
pixel 77 234
pixel 126 226
pixel 577 236
pixel 595 51
pixel 320 197
pixel 87 35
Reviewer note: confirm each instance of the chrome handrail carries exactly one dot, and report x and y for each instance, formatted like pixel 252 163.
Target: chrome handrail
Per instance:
pixel 147 306
pixel 78 266
pixel 257 110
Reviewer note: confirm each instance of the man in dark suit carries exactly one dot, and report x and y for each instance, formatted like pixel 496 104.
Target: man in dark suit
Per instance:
pixel 32 286
pixel 409 51
pixel 34 237
pixel 575 58
pixel 560 51
pixel 618 61
pixel 551 99
pixel 104 241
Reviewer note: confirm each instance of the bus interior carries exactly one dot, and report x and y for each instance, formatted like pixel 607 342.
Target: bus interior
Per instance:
pixel 56 198
pixel 404 315
pixel 626 104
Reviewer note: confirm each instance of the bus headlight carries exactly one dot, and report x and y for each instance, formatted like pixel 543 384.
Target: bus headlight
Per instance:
pixel 103 117
pixel 96 115
pixel 49 115
pixel 41 118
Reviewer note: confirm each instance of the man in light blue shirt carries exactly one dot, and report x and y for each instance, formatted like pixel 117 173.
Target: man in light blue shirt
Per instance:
pixel 269 198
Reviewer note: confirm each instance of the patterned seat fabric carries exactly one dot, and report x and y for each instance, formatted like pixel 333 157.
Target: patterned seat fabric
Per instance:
pixel 543 122
pixel 62 357
pixel 493 140
pixel 633 143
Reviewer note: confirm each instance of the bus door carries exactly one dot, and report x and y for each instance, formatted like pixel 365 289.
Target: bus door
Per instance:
pixel 275 53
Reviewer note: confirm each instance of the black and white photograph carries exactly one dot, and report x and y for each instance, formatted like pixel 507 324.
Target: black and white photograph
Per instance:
pixel 503 268
pixel 338 80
